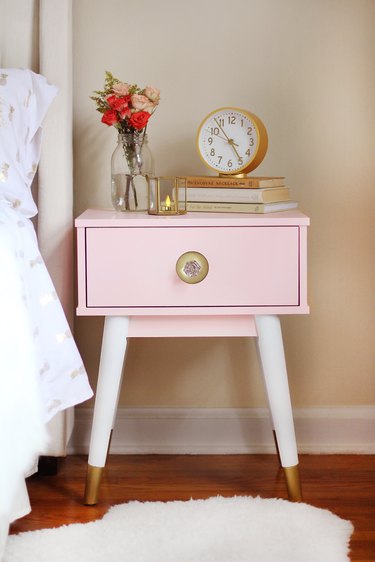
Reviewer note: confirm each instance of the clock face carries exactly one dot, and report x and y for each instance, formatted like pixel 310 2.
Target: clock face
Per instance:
pixel 232 141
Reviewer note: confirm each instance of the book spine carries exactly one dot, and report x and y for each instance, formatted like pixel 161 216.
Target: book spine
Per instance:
pixel 196 206
pixel 220 207
pixel 231 195
pixel 233 182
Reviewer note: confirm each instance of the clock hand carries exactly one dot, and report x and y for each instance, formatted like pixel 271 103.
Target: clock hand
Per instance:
pixel 226 139
pixel 230 141
pixel 225 134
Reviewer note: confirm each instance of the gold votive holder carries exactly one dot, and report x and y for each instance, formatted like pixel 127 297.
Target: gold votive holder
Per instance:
pixel 166 195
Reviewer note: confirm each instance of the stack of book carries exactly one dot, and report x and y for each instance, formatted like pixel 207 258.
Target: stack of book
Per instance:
pixel 238 195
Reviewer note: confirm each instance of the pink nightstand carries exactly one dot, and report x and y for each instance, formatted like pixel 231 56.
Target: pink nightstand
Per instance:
pixel 253 268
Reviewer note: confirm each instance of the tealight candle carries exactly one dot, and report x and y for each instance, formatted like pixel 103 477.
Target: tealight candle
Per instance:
pixel 167 195
pixel 167 205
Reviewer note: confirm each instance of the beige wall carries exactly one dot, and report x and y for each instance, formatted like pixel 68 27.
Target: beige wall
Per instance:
pixel 306 67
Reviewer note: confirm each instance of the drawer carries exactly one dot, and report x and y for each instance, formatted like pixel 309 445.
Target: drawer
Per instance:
pixel 136 267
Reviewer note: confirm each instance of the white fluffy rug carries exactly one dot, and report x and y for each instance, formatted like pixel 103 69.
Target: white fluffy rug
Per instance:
pixel 240 529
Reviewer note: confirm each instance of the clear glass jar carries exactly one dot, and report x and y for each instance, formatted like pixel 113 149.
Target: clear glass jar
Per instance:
pixel 131 161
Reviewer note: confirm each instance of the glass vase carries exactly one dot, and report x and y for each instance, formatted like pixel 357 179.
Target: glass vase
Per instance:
pixel 131 161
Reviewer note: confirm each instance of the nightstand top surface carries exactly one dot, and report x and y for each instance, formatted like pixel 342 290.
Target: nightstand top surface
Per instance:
pixel 110 218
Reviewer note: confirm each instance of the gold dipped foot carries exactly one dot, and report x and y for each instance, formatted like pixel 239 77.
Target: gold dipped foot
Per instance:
pixel 93 478
pixel 293 483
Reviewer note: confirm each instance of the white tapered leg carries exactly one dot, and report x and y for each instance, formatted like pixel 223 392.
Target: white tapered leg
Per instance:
pixel 110 371
pixel 269 408
pixel 271 353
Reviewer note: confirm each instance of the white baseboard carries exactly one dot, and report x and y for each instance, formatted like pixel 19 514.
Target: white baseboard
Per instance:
pixel 229 431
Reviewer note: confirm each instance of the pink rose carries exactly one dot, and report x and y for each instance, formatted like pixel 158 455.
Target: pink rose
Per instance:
pixel 139 119
pixel 121 89
pixel 152 93
pixel 110 117
pixel 141 102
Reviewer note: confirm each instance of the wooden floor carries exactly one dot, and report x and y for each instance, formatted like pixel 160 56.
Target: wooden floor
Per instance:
pixel 344 484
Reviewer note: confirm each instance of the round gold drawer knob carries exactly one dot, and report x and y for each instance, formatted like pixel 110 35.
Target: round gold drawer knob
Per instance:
pixel 192 267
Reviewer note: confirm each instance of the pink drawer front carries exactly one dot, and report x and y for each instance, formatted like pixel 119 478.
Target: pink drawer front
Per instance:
pixel 136 267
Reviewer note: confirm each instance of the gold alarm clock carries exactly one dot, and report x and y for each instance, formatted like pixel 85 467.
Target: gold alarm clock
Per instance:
pixel 232 141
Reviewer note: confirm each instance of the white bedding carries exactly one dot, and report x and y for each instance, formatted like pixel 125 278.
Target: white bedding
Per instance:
pixel 41 371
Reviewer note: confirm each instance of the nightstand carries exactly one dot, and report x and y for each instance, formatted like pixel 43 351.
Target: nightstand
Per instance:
pixel 200 274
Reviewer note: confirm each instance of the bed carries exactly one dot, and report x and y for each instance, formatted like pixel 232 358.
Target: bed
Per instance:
pixel 41 371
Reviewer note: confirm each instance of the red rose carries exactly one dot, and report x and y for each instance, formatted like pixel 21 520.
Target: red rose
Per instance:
pixel 110 117
pixel 111 100
pixel 124 112
pixel 139 119
pixel 117 103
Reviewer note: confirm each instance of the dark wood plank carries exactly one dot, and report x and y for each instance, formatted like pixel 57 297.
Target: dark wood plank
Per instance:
pixel 344 484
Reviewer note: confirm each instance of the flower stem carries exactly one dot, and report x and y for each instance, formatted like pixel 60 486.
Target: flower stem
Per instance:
pixel 132 150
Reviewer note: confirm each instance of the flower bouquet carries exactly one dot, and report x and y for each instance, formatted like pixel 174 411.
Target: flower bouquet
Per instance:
pixel 128 108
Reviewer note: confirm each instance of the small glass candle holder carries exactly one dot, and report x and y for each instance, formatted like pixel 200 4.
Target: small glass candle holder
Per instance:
pixel 166 195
